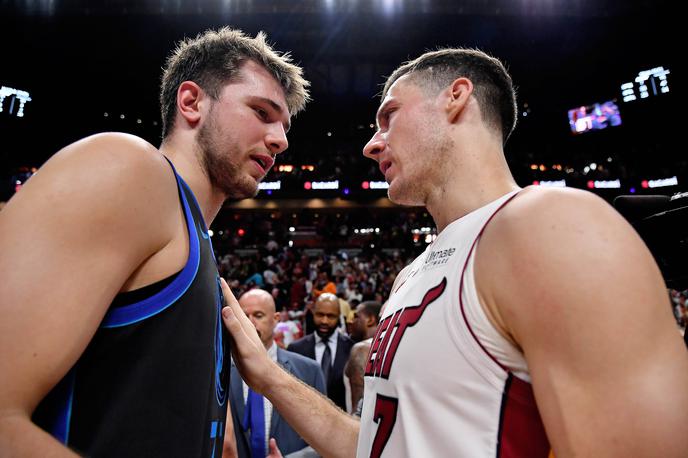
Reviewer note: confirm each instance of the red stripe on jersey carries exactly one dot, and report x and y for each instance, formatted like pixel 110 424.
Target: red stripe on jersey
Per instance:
pixel 521 432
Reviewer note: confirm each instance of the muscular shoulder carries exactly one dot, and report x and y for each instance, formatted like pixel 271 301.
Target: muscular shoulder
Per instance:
pixel 110 155
pixel 549 221
pixel 361 348
pixel 550 251
pixel 117 186
pixel 113 168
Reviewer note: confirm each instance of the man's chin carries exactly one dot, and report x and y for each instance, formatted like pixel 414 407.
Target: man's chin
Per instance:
pixel 324 335
pixel 242 191
pixel 401 198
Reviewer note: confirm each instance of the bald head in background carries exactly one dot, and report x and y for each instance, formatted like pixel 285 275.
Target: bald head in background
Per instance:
pixel 259 306
pixel 326 313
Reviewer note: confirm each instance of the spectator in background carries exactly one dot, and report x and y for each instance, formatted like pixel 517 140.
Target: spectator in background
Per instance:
pixel 286 330
pixel 323 285
pixel 327 346
pixel 297 292
pixel 363 327
pixel 252 420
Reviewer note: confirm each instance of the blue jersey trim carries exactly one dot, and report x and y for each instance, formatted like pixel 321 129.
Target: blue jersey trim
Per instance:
pixel 201 224
pixel 64 416
pixel 139 311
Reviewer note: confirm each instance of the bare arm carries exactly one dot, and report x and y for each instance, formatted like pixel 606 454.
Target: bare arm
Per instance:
pixel 331 432
pixel 65 251
pixel 354 369
pixel 571 283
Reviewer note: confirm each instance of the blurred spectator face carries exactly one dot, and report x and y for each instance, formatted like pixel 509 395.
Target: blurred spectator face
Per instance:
pixel 259 306
pixel 326 315
pixel 284 316
pixel 359 325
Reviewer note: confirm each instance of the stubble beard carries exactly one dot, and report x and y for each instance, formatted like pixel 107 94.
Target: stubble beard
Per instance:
pixel 222 169
pixel 432 154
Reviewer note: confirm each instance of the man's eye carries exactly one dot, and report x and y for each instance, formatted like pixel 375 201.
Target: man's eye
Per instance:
pixel 262 113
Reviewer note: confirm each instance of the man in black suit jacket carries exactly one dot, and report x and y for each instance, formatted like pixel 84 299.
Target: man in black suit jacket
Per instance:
pixel 259 306
pixel 326 316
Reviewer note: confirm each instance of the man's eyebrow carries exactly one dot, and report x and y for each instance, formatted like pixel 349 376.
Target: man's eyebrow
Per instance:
pixel 382 108
pixel 277 107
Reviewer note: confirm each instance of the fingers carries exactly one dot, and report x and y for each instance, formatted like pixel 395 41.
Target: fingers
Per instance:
pixel 274 452
pixel 235 319
pixel 233 304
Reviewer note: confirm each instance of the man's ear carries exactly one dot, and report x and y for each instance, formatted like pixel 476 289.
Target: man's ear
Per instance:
pixel 370 321
pixel 189 96
pixel 460 92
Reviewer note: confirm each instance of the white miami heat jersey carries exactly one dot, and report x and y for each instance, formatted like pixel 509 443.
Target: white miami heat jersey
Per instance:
pixel 431 387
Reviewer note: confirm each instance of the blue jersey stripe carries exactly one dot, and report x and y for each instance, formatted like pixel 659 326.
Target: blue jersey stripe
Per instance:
pixel 139 311
pixel 65 394
pixel 201 225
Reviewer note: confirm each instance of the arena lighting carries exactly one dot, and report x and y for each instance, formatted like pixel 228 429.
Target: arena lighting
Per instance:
pixel 210 232
pixel 288 168
pixel 604 184
pixel 375 185
pixel 550 183
pixel 309 168
pixel 272 185
pixel 317 185
pixel 367 230
pixel 241 232
pixel 660 183
pixel 656 78
pixel 15 95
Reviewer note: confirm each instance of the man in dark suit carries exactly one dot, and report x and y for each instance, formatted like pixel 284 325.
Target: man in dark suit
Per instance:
pixel 253 424
pixel 328 347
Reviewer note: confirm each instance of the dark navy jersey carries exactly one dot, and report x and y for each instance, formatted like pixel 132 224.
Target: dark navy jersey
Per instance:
pixel 153 380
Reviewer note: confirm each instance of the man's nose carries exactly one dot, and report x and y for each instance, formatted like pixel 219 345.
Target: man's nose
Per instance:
pixel 276 139
pixel 374 146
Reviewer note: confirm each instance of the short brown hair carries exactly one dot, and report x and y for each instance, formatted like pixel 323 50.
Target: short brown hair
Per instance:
pixel 214 58
pixel 494 90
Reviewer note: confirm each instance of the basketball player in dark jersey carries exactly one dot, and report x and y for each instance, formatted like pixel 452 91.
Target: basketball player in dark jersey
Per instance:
pixel 111 339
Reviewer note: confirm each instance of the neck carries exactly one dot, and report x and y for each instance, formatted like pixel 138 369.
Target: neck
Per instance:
pixel 183 156
pixel 474 181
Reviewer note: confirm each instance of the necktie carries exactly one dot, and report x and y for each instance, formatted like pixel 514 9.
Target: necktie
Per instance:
pixel 326 362
pixel 254 419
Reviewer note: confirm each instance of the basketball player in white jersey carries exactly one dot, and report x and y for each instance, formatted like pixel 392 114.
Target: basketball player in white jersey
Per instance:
pixel 536 322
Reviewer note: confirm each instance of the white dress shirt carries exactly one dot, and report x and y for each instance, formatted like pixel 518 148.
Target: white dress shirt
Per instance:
pixel 320 346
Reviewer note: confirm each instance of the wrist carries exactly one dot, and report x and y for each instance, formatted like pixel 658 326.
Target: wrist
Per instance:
pixel 276 380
